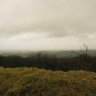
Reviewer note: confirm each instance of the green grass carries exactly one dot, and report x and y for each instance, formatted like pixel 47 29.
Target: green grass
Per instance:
pixel 40 82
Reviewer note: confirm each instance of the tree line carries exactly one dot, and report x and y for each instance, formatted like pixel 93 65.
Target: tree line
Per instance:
pixel 80 62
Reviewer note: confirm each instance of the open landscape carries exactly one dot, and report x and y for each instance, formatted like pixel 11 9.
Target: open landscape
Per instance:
pixel 41 82
pixel 47 47
pixel 47 75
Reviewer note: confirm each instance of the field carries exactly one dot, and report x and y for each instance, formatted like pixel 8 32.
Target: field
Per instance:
pixel 41 82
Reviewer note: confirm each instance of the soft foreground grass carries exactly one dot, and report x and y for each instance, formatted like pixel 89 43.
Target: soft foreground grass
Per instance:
pixel 40 82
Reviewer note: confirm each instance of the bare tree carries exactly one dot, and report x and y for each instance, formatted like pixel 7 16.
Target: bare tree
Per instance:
pixel 84 56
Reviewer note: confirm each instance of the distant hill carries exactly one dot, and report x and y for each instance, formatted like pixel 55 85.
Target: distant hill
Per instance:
pixel 68 53
pixel 40 82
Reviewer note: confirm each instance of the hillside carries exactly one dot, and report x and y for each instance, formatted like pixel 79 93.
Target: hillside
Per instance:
pixel 40 82
pixel 80 62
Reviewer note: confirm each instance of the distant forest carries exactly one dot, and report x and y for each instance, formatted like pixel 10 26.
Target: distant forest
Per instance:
pixel 80 62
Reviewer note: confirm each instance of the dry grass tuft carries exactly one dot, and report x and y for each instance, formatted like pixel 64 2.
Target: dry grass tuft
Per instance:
pixel 40 82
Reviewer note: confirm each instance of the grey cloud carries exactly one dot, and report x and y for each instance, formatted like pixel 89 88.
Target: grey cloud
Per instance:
pixel 56 17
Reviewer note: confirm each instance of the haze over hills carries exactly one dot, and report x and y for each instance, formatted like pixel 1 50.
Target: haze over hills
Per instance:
pixel 38 48
pixel 63 53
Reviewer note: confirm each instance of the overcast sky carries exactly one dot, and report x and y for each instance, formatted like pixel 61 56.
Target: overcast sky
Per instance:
pixel 47 24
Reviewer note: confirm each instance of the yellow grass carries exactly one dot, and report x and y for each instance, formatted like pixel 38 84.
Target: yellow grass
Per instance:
pixel 40 82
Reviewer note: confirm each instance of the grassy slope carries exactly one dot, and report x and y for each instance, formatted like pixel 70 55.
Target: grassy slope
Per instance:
pixel 40 82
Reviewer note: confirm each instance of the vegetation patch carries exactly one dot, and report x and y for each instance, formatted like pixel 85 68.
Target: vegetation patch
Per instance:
pixel 40 82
